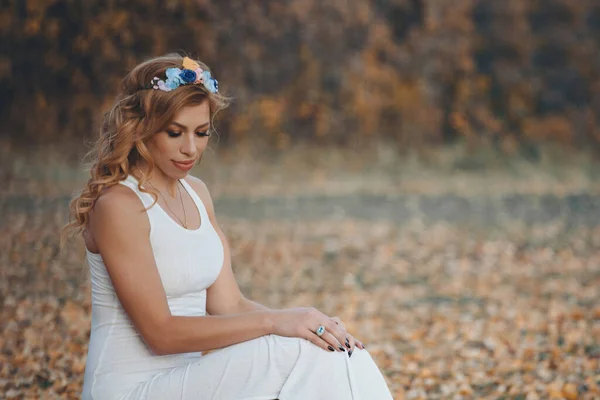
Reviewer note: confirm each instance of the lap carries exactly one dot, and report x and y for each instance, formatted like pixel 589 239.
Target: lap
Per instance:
pixel 257 369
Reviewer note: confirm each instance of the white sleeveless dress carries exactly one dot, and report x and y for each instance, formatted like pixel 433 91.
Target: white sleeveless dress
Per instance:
pixel 120 366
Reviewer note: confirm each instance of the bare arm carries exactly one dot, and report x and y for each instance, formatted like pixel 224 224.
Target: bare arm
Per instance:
pixel 247 305
pixel 187 334
pixel 120 229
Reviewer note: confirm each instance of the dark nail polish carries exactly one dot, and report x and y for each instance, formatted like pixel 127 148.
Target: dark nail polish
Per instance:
pixel 341 348
pixel 330 348
pixel 347 344
pixel 350 354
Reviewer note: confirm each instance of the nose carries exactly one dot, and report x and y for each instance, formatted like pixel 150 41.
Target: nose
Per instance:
pixel 188 145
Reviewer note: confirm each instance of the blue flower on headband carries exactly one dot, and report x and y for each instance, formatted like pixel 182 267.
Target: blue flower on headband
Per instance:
pixel 188 76
pixel 209 82
pixel 173 78
pixel 173 83
pixel 173 74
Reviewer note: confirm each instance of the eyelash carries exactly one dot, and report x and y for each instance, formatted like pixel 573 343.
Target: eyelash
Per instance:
pixel 176 134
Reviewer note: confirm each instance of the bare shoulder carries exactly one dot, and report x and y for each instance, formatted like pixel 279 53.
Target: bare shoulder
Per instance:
pixel 117 200
pixel 117 193
pixel 116 204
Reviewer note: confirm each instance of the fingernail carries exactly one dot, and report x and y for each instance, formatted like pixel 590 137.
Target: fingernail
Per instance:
pixel 350 354
pixel 341 348
pixel 330 348
pixel 347 344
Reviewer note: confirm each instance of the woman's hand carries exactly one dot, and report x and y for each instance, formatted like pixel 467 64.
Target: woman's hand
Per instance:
pixel 352 341
pixel 303 322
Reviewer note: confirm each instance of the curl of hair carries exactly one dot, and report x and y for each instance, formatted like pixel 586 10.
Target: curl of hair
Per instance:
pixel 136 115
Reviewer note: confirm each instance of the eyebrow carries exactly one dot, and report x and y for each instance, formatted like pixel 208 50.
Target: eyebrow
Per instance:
pixel 204 125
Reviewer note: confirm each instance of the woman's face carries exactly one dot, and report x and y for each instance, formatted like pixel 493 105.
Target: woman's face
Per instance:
pixel 184 140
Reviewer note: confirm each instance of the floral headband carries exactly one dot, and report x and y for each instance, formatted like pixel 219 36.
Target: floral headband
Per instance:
pixel 190 74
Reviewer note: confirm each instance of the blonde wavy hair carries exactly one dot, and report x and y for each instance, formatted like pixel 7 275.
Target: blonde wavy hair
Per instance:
pixel 137 114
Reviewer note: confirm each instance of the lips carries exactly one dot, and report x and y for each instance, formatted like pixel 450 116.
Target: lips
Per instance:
pixel 184 166
pixel 185 163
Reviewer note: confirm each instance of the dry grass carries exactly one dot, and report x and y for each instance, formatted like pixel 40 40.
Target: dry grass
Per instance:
pixel 447 310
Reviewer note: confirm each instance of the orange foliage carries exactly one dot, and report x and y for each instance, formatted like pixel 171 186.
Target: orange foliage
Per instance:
pixel 332 71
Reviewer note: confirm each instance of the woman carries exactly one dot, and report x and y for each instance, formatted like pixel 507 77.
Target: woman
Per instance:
pixel 163 290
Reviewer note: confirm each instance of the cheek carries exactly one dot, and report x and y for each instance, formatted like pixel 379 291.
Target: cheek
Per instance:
pixel 162 148
pixel 203 144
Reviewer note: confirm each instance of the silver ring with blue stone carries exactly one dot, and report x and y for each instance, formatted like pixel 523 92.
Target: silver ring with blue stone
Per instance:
pixel 320 330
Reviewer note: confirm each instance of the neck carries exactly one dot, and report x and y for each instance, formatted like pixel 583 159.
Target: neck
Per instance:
pixel 166 184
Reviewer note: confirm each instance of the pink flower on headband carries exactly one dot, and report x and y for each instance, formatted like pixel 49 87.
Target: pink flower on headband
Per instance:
pixel 198 72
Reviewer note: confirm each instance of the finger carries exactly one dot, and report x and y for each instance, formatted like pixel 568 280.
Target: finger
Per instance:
pixel 339 333
pixel 359 344
pixel 319 341
pixel 333 334
pixel 333 341
pixel 352 343
pixel 330 337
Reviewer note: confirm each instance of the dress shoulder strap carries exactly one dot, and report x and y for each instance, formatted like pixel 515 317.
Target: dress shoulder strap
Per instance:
pixel 132 183
pixel 196 198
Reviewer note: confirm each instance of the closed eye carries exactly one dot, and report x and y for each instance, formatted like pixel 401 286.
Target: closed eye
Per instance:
pixel 177 134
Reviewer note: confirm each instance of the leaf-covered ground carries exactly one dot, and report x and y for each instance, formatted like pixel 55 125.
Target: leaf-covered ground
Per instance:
pixel 449 309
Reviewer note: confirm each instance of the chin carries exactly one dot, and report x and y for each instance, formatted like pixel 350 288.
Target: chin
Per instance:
pixel 178 173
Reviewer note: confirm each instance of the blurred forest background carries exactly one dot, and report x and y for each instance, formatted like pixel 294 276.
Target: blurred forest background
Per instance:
pixel 425 169
pixel 519 72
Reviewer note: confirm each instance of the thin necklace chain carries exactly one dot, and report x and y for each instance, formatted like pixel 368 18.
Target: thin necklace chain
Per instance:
pixel 182 206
